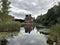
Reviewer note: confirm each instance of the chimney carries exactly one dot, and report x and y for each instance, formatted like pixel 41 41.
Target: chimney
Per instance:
pixel 26 15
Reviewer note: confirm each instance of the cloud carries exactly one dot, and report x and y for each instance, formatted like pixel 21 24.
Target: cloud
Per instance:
pixel 19 8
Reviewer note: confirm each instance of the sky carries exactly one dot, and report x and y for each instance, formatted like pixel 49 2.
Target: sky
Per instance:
pixel 19 8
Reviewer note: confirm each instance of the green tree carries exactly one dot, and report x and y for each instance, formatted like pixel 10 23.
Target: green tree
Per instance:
pixel 5 7
pixel 51 17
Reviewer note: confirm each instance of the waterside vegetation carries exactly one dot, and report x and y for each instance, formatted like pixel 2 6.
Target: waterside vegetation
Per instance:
pixel 7 23
pixel 52 20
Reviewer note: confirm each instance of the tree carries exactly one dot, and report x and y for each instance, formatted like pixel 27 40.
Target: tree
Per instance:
pixel 5 7
pixel 51 17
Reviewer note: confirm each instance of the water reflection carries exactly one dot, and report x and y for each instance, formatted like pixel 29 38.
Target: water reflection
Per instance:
pixel 5 35
pixel 28 28
pixel 28 36
pixel 3 42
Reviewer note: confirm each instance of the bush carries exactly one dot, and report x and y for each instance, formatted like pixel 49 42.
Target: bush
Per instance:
pixel 55 31
pixel 9 26
pixel 7 34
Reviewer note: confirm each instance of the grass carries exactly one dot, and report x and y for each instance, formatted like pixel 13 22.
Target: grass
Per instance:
pixel 55 31
pixel 7 34
pixel 9 26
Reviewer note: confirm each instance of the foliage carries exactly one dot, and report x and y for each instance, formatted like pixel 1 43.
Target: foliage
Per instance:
pixel 5 7
pixel 51 17
pixel 4 12
pixel 55 31
pixel 9 26
pixel 7 35
pixel 6 21
pixel 40 19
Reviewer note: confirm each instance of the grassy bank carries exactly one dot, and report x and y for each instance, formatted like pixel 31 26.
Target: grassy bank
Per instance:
pixel 9 26
pixel 7 34
pixel 55 31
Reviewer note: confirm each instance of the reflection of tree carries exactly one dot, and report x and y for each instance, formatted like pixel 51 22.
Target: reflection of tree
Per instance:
pixel 4 42
pixel 28 28
pixel 50 41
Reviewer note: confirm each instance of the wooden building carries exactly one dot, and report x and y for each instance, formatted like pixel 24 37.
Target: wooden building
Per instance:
pixel 28 19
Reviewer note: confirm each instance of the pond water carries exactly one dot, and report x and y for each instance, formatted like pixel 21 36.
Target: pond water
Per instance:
pixel 28 35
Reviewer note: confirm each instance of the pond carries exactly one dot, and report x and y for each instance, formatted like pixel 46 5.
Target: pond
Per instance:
pixel 28 35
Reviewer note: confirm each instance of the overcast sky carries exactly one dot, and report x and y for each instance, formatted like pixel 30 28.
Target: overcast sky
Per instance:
pixel 19 8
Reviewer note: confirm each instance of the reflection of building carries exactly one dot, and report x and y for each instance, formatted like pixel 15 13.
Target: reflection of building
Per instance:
pixel 28 19
pixel 28 28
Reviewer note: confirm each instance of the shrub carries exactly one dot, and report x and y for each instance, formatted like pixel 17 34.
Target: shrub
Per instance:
pixel 55 31
pixel 9 26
